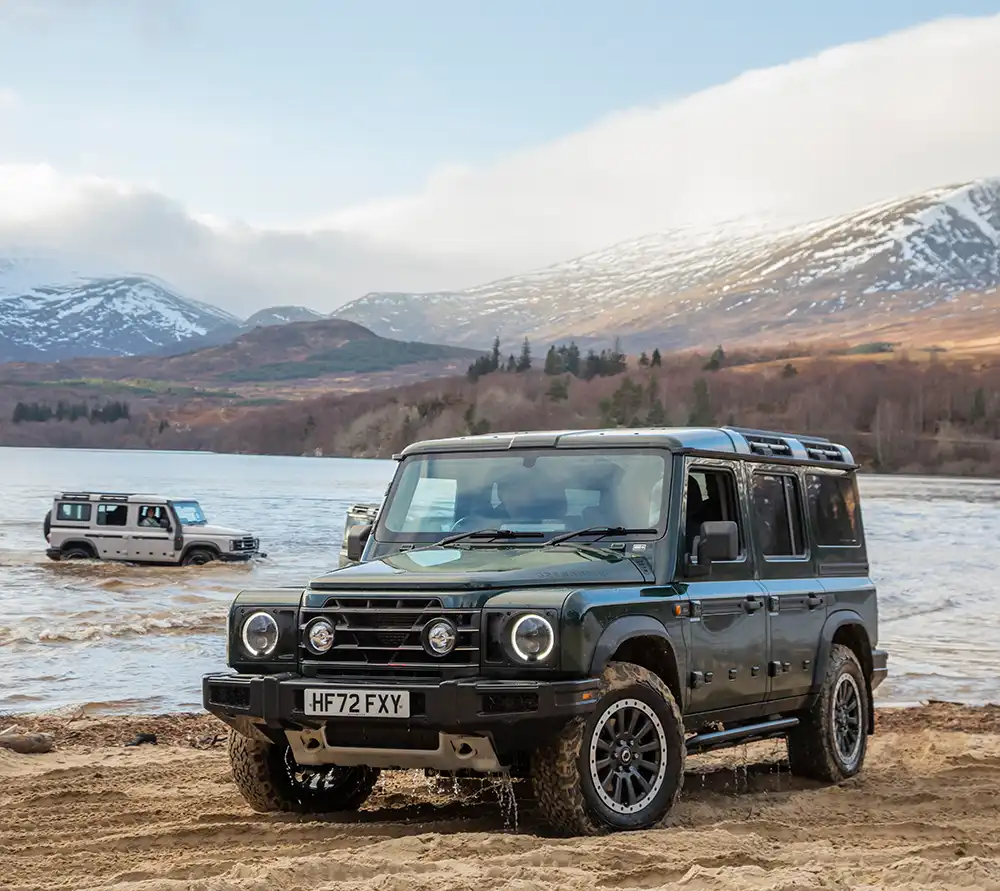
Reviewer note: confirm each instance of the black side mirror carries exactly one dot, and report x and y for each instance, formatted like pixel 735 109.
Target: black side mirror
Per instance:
pixel 357 536
pixel 717 542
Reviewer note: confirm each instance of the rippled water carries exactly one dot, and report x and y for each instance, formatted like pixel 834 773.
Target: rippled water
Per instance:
pixel 132 638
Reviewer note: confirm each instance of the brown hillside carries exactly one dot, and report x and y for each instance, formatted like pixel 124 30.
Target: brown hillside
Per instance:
pixel 296 351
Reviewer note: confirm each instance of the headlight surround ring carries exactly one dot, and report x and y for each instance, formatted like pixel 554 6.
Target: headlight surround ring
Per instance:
pixel 522 629
pixel 266 632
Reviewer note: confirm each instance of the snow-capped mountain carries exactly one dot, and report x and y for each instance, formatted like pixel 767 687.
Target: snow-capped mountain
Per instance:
pixel 50 312
pixel 864 270
pixel 281 315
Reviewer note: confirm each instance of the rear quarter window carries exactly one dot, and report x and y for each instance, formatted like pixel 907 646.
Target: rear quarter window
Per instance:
pixel 833 509
pixel 73 513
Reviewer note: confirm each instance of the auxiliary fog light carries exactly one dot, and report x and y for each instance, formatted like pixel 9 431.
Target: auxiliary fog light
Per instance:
pixel 440 637
pixel 319 636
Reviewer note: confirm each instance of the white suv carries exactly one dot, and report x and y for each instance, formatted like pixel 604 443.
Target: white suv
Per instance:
pixel 137 528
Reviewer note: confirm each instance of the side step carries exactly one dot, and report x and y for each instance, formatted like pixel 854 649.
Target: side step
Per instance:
pixel 718 739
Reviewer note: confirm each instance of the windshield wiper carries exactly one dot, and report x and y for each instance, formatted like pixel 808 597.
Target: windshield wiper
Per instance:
pixel 599 532
pixel 488 533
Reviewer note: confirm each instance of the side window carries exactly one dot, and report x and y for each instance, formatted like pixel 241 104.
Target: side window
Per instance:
pixel 153 516
pixel 777 515
pixel 833 509
pixel 112 514
pixel 711 496
pixel 73 512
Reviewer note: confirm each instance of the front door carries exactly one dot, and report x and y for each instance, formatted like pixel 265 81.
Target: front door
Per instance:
pixel 727 617
pixel 796 600
pixel 152 538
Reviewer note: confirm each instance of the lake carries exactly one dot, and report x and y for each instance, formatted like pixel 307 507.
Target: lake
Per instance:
pixel 124 638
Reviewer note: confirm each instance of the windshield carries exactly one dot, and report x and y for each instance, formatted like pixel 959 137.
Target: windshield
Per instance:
pixel 548 491
pixel 190 513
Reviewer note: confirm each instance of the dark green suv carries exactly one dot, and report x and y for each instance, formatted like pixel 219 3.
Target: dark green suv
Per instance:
pixel 583 608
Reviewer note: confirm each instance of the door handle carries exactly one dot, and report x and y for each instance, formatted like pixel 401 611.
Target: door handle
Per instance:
pixel 814 600
pixel 752 604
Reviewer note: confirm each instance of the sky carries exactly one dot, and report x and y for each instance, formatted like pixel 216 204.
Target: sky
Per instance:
pixel 310 151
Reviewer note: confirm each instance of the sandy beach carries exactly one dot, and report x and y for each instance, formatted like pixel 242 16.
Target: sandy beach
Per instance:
pixel 925 813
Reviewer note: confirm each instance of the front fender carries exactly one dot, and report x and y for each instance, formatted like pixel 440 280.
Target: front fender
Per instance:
pixel 671 654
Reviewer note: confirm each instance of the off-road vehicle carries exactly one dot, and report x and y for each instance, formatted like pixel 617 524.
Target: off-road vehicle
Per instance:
pixel 137 528
pixel 581 608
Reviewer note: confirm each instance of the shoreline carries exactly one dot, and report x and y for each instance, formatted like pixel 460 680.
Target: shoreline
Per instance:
pixel 203 730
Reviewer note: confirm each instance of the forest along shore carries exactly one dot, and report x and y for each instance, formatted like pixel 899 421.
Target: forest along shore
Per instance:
pixel 96 813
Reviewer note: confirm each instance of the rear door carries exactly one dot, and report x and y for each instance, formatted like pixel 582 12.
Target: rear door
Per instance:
pixel 796 599
pixel 111 533
pixel 727 620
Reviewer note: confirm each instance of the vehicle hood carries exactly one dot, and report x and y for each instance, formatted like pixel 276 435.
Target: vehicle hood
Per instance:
pixel 458 568
pixel 210 530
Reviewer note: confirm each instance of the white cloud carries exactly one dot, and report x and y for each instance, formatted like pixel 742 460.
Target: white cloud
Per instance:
pixel 853 125
pixel 8 99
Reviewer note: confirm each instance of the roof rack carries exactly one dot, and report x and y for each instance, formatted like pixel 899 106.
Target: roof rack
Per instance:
pixel 747 432
pixel 789 445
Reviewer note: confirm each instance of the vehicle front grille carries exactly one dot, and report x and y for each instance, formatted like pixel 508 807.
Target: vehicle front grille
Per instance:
pixel 383 636
pixel 247 543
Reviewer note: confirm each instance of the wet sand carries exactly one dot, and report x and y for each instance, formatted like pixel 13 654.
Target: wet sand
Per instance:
pixel 925 813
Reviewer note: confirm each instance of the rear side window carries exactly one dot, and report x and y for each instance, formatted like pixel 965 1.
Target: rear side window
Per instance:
pixel 833 508
pixel 73 512
pixel 777 515
pixel 112 514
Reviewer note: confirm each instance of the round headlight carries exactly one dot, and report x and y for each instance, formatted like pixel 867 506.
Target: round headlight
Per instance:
pixel 440 637
pixel 532 638
pixel 319 635
pixel 260 634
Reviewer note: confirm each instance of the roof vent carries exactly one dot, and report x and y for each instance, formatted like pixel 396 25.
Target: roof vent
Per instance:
pixel 767 445
pixel 823 451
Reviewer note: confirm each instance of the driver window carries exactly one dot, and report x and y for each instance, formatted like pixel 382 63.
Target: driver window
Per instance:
pixel 711 497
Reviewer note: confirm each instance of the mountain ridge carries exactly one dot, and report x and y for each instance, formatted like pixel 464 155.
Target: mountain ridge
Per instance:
pixel 688 288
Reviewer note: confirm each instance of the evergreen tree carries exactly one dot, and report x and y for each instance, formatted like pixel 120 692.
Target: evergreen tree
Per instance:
pixel 643 359
pixel 524 360
pixel 717 359
pixel 495 355
pixel 656 361
pixel 701 413
pixel 554 361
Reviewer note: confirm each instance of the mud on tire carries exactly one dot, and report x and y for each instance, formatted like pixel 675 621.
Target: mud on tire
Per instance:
pixel 832 738
pixel 638 713
pixel 266 775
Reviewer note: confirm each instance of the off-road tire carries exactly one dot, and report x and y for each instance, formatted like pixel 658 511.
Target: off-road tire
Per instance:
pixel 197 557
pixel 261 774
pixel 561 768
pixel 47 525
pixel 812 746
pixel 76 552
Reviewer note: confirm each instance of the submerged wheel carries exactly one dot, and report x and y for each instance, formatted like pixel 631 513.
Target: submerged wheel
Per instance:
pixel 198 557
pixel 270 779
pixel 75 552
pixel 831 741
pixel 621 767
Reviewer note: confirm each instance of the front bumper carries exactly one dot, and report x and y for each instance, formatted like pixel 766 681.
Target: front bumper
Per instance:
pixel 880 667
pixel 500 709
